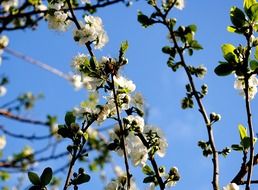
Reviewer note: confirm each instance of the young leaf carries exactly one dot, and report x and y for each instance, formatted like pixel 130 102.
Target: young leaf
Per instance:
pixel 149 179
pixel 256 53
pixel 82 178
pixel 224 69
pixel 69 118
pixel 144 20
pixel 228 52
pixel 253 65
pixel 46 176
pixel 248 4
pixel 34 178
pixel 237 17
pixel 147 170
pixel 237 147
pixel 242 131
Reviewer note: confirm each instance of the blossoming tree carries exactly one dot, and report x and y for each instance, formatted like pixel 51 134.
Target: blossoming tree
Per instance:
pixel 88 144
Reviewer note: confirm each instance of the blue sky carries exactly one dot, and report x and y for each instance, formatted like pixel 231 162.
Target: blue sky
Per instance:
pixel 162 88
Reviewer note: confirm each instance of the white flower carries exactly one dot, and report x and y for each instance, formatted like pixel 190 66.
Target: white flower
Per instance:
pixel 124 83
pixel 56 6
pixel 160 140
pixel 89 83
pixel 180 4
pixel 231 186
pixel 240 85
pixel 113 185
pixel 8 4
pixel 41 7
pixel 135 122
pixel 3 90
pixel 2 142
pixel 91 31
pixel 85 1
pixel 120 183
pixel 79 60
pixel 58 21
pixel 118 171
pixel 4 41
pixel 139 155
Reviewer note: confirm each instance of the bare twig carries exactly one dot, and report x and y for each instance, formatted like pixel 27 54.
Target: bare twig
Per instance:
pixel 122 138
pixel 9 115
pixel 37 63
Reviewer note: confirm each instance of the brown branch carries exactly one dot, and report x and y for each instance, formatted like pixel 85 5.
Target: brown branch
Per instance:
pixel 122 138
pixel 9 115
pixel 215 180
pixel 25 137
pixel 239 178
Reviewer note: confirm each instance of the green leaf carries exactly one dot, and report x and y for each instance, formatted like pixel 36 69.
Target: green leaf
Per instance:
pixel 195 45
pixel 46 176
pixel 248 4
pixel 144 20
pixel 34 178
pixel 147 170
pixel 245 142
pixel 228 52
pixel 224 69
pixel 82 178
pixel 124 46
pixel 237 147
pixel 253 12
pixel 193 27
pixel 256 53
pixel 149 179
pixel 237 17
pixel 253 65
pixel 242 131
pixel 231 29
pixel 69 118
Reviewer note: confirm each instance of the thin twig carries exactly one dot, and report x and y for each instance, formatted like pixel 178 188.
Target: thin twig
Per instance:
pixel 215 181
pixel 37 63
pixel 122 138
pixel 9 115
pixel 153 161
pixel 26 137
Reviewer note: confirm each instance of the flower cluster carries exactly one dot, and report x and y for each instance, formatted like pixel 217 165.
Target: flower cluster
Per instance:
pixel 136 150
pixel 120 183
pixel 9 4
pixel 179 4
pixel 57 18
pixel 4 41
pixel 2 142
pixel 252 83
pixel 231 186
pixel 91 32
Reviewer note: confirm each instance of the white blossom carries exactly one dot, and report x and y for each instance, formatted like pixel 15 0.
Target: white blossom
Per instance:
pixel 85 1
pixel 4 41
pixel 41 7
pixel 56 6
pixel 231 186
pixel 91 31
pixel 161 141
pixel 240 85
pixel 3 90
pixel 120 183
pixel 58 21
pixel 135 122
pixel 180 4
pixel 89 83
pixel 79 60
pixel 8 4
pixel 2 142
pixel 124 83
